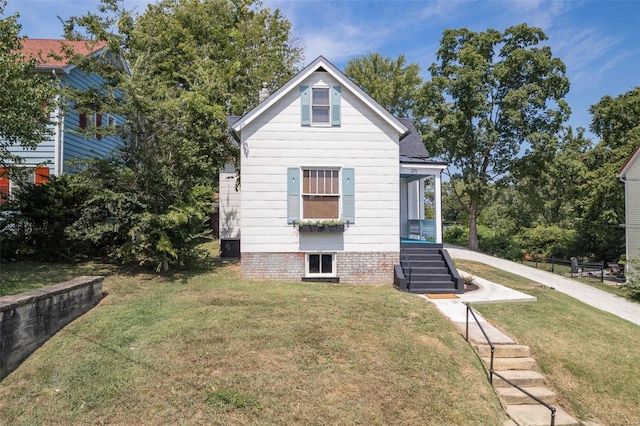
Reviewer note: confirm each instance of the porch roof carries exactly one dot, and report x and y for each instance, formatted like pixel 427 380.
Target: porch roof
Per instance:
pixel 417 168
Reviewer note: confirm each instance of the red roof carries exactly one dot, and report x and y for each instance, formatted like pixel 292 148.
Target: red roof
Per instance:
pixel 44 50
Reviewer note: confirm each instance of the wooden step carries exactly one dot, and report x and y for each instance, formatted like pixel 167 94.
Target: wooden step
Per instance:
pixel 519 377
pixel 504 351
pixel 539 415
pixel 513 396
pixel 510 363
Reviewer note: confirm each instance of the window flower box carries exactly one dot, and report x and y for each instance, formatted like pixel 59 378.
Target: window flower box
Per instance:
pixel 321 226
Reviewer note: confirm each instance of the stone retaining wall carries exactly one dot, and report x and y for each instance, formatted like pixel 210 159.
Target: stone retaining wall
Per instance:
pixel 28 319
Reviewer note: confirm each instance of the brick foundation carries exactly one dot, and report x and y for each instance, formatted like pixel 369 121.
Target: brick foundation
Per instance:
pixel 352 267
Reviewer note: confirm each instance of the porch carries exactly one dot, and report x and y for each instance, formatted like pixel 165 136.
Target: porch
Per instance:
pixel 420 200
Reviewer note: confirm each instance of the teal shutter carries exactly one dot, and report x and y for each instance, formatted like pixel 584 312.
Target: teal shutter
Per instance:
pixel 305 105
pixel 293 194
pixel 348 196
pixel 336 95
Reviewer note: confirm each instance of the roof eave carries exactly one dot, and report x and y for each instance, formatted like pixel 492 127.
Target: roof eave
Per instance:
pixel 320 61
pixel 627 164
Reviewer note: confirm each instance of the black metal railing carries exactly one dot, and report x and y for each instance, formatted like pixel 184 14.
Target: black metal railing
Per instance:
pixel 493 373
pixel 406 267
pixel 573 267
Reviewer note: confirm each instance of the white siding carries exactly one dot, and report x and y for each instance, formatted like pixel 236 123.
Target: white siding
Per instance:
pixel 275 140
pixel 229 203
pixel 632 197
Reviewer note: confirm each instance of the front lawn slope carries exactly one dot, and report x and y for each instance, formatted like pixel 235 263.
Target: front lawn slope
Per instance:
pixel 590 357
pixel 214 349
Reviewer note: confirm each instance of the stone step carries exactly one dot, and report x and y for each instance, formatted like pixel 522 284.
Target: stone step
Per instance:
pixel 510 363
pixel 539 415
pixel 513 396
pixel 504 351
pixel 522 378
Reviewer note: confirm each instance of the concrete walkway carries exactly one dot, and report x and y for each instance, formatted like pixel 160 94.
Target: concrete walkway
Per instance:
pixel 602 300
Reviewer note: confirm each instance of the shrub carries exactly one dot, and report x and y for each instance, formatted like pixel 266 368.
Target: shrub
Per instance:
pixel 497 244
pixel 548 241
pixel 457 235
pixel 35 220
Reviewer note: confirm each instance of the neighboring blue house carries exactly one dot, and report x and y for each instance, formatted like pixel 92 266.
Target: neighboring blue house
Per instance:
pixel 53 156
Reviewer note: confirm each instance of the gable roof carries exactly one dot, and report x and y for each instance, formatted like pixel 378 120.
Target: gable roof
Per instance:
pixel 411 144
pixel 635 156
pixel 49 53
pixel 319 64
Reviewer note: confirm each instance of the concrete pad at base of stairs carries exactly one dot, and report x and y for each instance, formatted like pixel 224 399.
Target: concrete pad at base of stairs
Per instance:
pixel 490 292
pixel 538 415
pixel 475 334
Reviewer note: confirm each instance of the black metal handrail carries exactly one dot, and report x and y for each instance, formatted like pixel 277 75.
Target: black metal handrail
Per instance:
pixel 406 262
pixel 492 372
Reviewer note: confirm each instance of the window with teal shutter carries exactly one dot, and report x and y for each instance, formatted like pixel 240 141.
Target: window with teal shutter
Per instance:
pixel 305 105
pixel 293 194
pixel 336 95
pixel 348 196
pixel 320 106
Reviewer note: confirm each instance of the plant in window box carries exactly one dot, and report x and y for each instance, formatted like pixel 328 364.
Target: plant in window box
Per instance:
pixel 320 225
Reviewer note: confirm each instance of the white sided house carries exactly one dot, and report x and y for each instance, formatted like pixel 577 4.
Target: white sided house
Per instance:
pixel 630 175
pixel 332 189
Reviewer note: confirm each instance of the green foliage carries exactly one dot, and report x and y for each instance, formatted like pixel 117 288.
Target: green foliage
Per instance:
pixel 394 84
pixel 136 226
pixel 548 241
pixel 457 235
pixel 188 65
pixel 490 94
pixel 498 243
pixel 600 209
pixel 36 219
pixel 632 271
pixel 23 93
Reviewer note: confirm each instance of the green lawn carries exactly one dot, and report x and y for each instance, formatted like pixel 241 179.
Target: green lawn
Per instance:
pixel 211 348
pixel 18 277
pixel 592 358
pixel 610 285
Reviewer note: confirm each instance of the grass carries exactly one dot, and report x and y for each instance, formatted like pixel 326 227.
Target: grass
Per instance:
pixel 609 285
pixel 592 358
pixel 211 348
pixel 18 277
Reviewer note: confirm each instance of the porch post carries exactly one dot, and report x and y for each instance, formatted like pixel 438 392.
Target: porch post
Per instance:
pixel 421 200
pixel 438 204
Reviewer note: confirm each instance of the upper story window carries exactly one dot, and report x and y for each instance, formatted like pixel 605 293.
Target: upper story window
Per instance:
pixel 320 106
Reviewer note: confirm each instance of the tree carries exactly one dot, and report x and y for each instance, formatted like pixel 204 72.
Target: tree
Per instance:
pixel 23 93
pixel 601 205
pixel 490 95
pixel 394 84
pixel 190 63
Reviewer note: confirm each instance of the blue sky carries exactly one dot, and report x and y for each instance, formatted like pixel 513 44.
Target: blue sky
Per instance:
pixel 599 41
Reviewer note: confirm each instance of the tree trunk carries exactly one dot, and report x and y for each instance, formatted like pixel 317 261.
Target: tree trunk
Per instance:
pixel 473 225
pixel 165 262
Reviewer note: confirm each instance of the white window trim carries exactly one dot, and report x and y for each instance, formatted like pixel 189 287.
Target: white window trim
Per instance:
pixel 32 178
pixel 311 105
pixel 319 275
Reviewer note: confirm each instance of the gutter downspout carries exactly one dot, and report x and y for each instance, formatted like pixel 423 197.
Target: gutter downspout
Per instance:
pixel 58 142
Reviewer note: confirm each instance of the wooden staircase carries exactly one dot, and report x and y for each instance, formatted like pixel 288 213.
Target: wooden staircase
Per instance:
pixel 427 268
